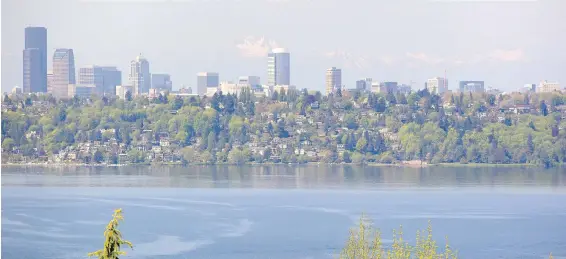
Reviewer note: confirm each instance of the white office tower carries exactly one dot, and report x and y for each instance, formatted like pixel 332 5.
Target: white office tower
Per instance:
pixel 140 77
pixel 548 87
pixel 437 85
pixel 333 80
pixel 278 67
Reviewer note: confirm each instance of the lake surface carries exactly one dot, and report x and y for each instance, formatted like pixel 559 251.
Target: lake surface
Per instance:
pixel 280 212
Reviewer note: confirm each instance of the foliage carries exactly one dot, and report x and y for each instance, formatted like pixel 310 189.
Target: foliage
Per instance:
pixel 371 127
pixel 113 241
pixel 365 243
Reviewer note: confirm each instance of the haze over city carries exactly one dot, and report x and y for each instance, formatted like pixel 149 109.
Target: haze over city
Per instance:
pixel 506 44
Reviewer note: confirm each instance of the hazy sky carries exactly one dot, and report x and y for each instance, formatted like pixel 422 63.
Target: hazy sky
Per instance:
pixel 506 43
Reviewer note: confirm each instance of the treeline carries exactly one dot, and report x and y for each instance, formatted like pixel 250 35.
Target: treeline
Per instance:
pixel 344 127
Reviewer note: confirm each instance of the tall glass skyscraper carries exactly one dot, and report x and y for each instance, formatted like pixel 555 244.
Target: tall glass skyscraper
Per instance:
pixel 161 82
pixel 278 67
pixel 140 78
pixel 63 72
pixel 105 79
pixel 35 60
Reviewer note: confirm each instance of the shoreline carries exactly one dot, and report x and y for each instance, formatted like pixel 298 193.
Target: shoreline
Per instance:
pixel 402 164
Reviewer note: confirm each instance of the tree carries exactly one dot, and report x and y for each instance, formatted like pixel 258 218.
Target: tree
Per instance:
pixel 491 99
pixel 346 157
pixel 380 105
pixel 98 157
pixel 361 145
pixel 177 103
pixel 28 101
pixel 113 241
pixel 365 243
pixel 211 143
pixel 7 99
pixel 543 108
pixel 532 125
pixel 128 96
pixel 391 98
pixel 275 96
pixel 350 121
pixel 237 156
pixel 281 132
pixel 7 144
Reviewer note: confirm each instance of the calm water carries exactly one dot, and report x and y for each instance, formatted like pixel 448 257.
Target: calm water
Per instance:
pixel 279 212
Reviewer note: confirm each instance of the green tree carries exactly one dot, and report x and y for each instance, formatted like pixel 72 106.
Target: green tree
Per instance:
pixel 128 96
pixel 7 144
pixel 7 100
pixel 237 156
pixel 113 241
pixel 361 145
pixel 211 141
pixel 543 108
pixel 365 243
pixel 177 103
pixel 98 157
pixel 346 157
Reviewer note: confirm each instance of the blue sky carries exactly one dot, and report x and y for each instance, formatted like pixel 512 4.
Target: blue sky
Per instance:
pixel 505 43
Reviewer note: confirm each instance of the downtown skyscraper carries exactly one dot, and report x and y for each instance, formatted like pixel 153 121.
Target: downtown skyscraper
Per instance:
pixel 161 82
pixel 140 78
pixel 333 80
pixel 63 72
pixel 104 79
pixel 206 80
pixel 35 60
pixel 278 67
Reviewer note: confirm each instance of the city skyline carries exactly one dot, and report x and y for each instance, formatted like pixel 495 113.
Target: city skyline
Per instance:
pixel 505 53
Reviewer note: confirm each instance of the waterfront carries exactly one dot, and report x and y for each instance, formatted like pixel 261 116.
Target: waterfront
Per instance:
pixel 280 211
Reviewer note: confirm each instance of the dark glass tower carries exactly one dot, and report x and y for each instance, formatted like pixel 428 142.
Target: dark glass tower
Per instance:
pixel 35 60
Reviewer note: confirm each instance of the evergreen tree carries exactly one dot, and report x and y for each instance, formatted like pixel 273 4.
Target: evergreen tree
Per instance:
pixel 543 108
pixel 113 241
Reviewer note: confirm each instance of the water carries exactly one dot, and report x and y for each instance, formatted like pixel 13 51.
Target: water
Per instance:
pixel 279 212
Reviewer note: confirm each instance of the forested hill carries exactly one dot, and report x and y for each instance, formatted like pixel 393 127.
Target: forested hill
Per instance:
pixel 293 127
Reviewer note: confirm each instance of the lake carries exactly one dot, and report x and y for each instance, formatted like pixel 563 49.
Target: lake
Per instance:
pixel 280 211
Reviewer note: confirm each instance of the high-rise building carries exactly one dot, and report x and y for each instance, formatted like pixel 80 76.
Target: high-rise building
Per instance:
pixel 384 87
pixel 437 85
pixel 404 89
pixel 92 75
pixel 140 78
pixel 548 87
pixel 364 84
pixel 104 78
pixel 530 87
pixel 278 67
pixel 35 60
pixel 252 81
pixel 111 78
pixel 82 91
pixel 33 79
pixel 207 80
pixel 63 72
pixel 17 90
pixel 472 86
pixel 161 82
pixel 333 80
